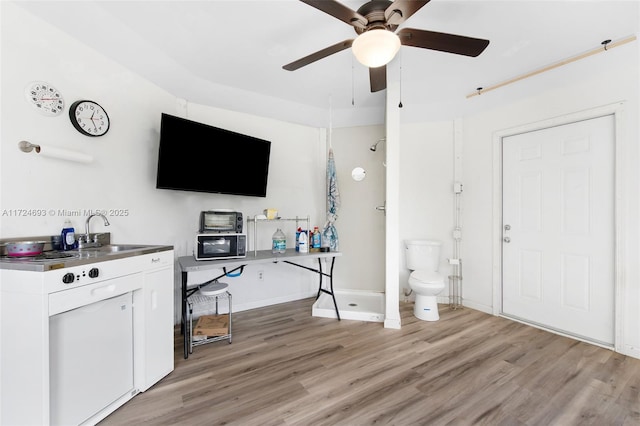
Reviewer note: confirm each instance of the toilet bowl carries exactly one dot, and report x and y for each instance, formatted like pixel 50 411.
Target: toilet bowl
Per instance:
pixel 423 257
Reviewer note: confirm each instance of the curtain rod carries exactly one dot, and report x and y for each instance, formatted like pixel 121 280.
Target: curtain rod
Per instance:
pixel 606 46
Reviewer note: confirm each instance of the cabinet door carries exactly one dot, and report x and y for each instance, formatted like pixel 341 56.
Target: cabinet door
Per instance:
pixel 158 318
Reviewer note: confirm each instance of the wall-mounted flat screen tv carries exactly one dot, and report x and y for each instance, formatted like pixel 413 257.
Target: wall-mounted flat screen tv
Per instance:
pixel 202 158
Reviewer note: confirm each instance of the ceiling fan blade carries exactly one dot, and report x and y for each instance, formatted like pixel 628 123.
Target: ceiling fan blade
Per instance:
pixel 338 47
pixel 443 42
pixel 340 11
pixel 400 10
pixel 378 78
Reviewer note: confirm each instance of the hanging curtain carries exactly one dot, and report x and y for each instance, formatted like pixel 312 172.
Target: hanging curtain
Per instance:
pixel 329 232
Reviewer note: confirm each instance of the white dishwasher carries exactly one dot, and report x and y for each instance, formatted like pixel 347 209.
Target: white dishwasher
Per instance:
pixel 91 357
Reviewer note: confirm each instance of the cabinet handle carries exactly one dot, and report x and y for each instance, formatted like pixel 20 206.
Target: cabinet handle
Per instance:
pixel 106 289
pixel 154 300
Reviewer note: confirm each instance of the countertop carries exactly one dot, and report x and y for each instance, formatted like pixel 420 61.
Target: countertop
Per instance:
pixel 81 257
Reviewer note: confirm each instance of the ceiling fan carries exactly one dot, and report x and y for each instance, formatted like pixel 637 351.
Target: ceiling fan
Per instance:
pixel 377 43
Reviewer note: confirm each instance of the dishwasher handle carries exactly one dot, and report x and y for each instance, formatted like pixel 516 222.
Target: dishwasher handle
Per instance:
pixel 107 289
pixel 66 300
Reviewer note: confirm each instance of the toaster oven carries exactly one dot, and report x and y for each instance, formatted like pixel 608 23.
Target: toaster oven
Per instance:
pixel 221 221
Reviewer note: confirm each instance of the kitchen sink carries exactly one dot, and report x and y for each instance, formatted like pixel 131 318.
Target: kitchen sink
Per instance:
pixel 113 248
pixel 120 247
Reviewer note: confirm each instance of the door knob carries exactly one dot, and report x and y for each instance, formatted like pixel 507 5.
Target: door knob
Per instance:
pixel 380 208
pixel 506 239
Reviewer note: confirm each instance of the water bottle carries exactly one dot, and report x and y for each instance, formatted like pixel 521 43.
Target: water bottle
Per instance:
pixel 279 241
pixel 303 242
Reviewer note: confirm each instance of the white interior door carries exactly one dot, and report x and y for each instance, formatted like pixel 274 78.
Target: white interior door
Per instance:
pixel 558 228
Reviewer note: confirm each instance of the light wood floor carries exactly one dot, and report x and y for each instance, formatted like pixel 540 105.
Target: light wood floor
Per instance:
pixel 286 367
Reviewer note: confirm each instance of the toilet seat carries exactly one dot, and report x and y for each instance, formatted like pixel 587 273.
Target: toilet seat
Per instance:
pixel 426 278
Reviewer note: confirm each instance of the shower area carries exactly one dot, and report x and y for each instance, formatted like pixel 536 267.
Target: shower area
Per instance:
pixel 359 275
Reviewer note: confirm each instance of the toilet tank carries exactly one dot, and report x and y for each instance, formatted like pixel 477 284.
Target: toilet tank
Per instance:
pixel 423 254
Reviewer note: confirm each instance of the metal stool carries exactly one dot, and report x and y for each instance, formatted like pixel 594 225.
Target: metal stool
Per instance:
pixel 206 294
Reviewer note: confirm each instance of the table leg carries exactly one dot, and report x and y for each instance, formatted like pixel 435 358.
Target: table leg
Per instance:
pixel 335 304
pixel 183 325
pixel 320 275
pixel 319 278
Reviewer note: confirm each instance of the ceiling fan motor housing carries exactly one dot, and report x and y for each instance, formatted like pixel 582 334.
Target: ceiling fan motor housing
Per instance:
pixel 374 11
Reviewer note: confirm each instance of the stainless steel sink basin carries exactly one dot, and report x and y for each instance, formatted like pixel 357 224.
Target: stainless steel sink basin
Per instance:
pixel 113 248
pixel 120 247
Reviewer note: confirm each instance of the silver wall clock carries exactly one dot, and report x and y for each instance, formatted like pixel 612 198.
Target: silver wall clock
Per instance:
pixel 44 98
pixel 89 118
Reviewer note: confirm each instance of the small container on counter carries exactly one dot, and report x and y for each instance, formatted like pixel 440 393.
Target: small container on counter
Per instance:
pixel 303 242
pixel 56 242
pixel 68 236
pixel 316 239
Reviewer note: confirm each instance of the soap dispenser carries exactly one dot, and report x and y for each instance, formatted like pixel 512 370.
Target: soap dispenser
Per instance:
pixel 68 236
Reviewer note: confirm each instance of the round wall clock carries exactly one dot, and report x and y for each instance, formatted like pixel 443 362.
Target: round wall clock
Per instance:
pixel 89 118
pixel 45 98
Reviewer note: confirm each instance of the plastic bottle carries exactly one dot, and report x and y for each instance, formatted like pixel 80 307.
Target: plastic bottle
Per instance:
pixel 316 238
pixel 303 242
pixel 68 235
pixel 279 241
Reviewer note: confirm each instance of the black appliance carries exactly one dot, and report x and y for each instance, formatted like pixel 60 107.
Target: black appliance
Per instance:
pixel 212 246
pixel 221 221
pixel 197 157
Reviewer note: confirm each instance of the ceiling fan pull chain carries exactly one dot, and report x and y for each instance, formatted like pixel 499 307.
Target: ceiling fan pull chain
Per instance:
pixel 353 102
pixel 400 104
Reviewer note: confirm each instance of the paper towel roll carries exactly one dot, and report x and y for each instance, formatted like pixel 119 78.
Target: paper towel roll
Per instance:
pixel 51 152
pixel 63 154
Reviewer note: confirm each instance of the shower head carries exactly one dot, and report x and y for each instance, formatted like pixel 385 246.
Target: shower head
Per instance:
pixel 374 147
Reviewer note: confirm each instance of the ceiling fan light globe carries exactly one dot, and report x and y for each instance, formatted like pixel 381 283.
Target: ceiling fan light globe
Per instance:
pixel 375 48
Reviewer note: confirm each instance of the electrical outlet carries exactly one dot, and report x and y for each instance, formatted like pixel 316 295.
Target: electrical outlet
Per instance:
pixel 260 275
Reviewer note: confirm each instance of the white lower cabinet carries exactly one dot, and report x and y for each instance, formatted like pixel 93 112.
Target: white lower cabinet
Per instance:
pixel 158 336
pixel 52 332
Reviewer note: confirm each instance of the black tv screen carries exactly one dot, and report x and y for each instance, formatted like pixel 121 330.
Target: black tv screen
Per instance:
pixel 202 158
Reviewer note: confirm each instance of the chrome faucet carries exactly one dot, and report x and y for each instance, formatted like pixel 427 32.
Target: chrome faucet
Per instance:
pixel 86 241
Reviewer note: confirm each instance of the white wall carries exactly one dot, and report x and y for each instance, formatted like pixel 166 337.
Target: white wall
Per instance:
pixel 360 226
pixel 123 173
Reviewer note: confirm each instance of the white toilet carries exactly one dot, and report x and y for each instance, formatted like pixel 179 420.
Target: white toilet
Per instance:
pixel 423 258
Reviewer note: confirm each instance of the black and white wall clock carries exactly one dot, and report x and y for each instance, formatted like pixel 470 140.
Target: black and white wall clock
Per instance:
pixel 45 98
pixel 89 118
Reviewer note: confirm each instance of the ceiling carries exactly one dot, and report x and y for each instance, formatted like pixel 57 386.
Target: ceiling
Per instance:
pixel 229 54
